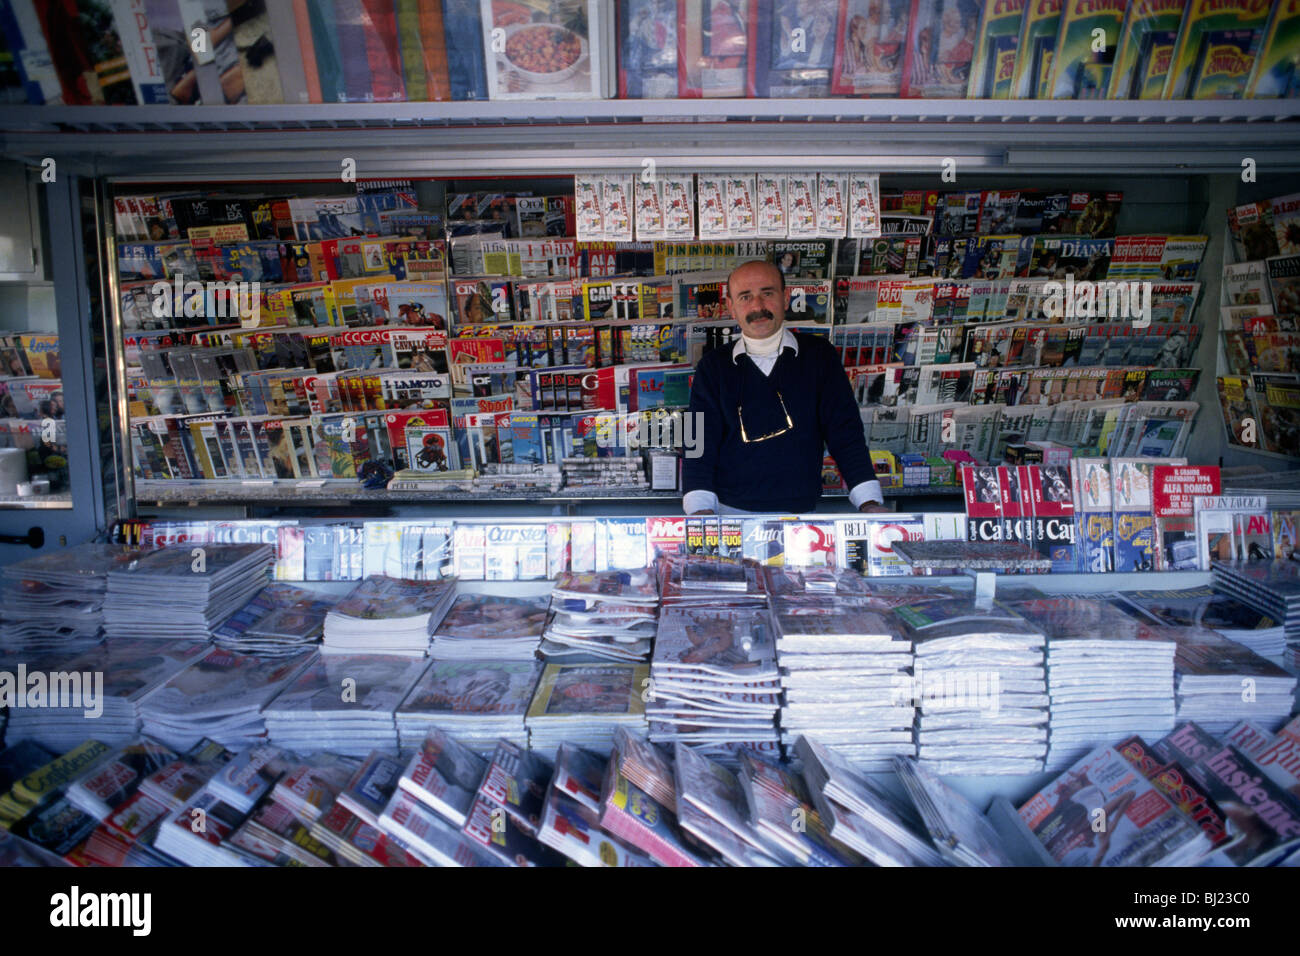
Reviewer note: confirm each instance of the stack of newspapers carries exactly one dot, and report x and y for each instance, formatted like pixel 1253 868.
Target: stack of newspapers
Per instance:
pixel 846 674
pixel 184 592
pixel 490 627
pixel 860 814
pixel 55 601
pixel 103 690
pixel 583 704
pixel 384 615
pixel 343 703
pixel 979 686
pixel 220 696
pixel 476 701
pixel 1108 674
pixel 714 680
pixel 607 615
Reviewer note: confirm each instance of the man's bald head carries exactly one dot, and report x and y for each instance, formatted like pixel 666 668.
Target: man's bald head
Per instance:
pixel 756 298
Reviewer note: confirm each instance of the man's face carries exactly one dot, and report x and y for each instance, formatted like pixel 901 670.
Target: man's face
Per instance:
pixel 756 300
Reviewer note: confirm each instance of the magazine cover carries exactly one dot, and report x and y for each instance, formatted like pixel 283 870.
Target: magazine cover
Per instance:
pixel 715 44
pixel 544 50
pixel 870 47
pixel 1035 51
pixel 581 689
pixel 1146 49
pixel 1079 71
pixel 940 48
pixel 1275 75
pixel 647 62
pixel 1143 827
pixel 1215 49
pixel 993 64
pixel 795 47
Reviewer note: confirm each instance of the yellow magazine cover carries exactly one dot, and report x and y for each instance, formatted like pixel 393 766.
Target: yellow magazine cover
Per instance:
pixel 1216 36
pixel 993 65
pixel 1037 41
pixel 1146 48
pixel 42 353
pixel 1277 67
pixel 1082 61
pixel 341 298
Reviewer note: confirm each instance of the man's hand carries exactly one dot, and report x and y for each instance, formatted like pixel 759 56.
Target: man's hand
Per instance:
pixel 872 507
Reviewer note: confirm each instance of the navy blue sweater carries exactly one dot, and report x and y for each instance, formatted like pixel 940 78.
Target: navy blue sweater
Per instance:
pixel 782 474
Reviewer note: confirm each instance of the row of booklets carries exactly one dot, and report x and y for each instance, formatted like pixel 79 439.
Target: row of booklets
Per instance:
pixel 1228 800
pixel 384 51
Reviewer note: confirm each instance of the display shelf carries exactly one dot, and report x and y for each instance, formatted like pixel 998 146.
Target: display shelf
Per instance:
pixel 342 494
pixel 513 138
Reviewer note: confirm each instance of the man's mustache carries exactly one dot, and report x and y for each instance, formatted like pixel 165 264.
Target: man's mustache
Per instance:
pixel 755 316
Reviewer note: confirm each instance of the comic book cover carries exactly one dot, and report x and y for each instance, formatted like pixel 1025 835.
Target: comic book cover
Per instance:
pixel 1145 49
pixel 795 47
pixel 870 47
pixel 548 50
pixel 1034 52
pixel 1079 71
pixel 1224 64
pixel 993 63
pixel 940 47
pixel 1275 75
pixel 1204 33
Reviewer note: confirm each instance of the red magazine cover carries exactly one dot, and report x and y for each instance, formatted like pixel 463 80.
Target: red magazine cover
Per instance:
pixel 983 503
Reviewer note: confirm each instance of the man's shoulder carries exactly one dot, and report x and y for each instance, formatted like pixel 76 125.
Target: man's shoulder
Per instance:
pixel 815 347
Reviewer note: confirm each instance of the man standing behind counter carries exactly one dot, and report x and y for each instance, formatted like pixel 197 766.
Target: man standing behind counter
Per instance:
pixel 769 404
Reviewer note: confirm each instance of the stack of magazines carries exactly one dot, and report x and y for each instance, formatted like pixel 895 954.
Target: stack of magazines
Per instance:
pixel 1064 815
pixel 1205 608
pixel 862 815
pixel 432 801
pixel 608 615
pixel 1219 682
pixel 115 778
pixel 980 688
pixel 476 701
pixel 220 696
pixel 343 703
pixel 384 615
pixel 1108 674
pixel 962 835
pixel 489 627
pixel 583 704
pixel 692 579
pixel 177 593
pixel 55 601
pixel 776 798
pixel 1272 587
pixel 111 681
pixel 711 808
pixel 570 817
pixel 281 621
pixel 845 671
pixel 638 805
pixel 714 680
